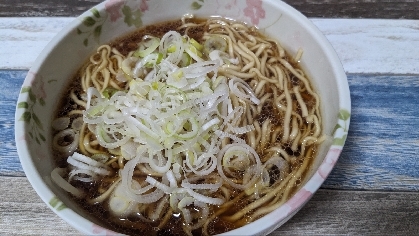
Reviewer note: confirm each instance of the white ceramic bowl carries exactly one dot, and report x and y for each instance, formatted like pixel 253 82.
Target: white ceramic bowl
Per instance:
pixel 68 50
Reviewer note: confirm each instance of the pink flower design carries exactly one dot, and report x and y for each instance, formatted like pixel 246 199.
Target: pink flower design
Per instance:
pixel 38 88
pixel 298 199
pixel 254 11
pixel 281 213
pixel 113 7
pixel 25 138
pixel 22 138
pixel 102 231
pixel 228 8
pixel 143 5
pixel 230 5
pixel 330 161
pixel 29 78
pixel 36 82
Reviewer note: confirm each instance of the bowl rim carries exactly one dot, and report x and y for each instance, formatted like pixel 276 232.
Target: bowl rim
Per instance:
pixel 264 226
pixel 35 179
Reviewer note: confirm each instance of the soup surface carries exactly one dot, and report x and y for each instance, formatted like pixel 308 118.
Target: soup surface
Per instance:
pixel 193 126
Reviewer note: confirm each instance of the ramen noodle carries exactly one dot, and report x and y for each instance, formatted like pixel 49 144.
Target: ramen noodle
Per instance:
pixel 195 126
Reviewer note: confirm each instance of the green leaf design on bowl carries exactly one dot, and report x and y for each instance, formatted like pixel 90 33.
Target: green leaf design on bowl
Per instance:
pixel 344 115
pixel 196 5
pixel 29 115
pixel 57 204
pixel 89 21
pixel 92 26
pixel 340 141
pixel 95 12
pixel 132 17
pixel 343 124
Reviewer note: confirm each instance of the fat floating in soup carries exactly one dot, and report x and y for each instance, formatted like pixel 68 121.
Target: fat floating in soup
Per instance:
pixel 191 127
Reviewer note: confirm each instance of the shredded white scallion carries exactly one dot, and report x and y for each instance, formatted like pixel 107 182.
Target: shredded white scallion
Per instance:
pixel 171 121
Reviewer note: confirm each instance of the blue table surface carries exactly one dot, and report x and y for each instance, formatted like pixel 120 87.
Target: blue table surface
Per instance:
pixel 380 152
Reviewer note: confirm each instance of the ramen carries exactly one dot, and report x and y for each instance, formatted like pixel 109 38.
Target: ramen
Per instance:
pixel 188 127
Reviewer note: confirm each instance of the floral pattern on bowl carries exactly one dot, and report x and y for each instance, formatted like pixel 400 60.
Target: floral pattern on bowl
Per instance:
pixel 115 10
pixel 131 12
pixel 36 93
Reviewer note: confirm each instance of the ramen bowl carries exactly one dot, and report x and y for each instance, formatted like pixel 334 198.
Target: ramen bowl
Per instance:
pixel 65 54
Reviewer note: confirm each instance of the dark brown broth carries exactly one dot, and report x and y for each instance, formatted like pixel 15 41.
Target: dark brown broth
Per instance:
pixel 134 227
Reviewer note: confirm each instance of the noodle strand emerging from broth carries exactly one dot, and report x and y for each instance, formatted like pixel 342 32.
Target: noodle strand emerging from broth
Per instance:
pixel 201 128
